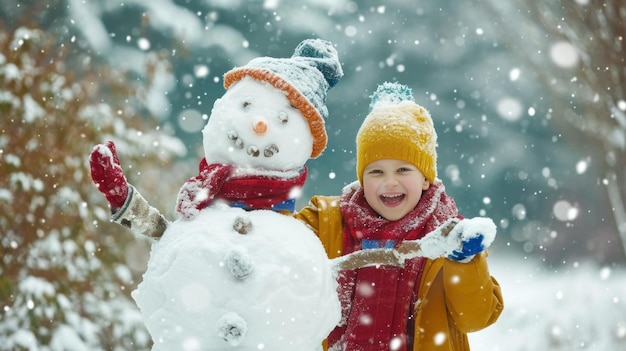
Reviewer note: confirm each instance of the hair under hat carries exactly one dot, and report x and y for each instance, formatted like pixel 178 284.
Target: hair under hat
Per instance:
pixel 397 128
pixel 306 77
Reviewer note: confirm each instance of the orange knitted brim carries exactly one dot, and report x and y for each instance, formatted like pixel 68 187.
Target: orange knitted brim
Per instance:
pixel 313 118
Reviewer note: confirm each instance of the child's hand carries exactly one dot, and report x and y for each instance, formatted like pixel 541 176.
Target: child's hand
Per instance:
pixel 107 174
pixel 475 235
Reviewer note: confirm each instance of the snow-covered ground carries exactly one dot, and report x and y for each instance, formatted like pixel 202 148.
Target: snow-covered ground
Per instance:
pixel 581 306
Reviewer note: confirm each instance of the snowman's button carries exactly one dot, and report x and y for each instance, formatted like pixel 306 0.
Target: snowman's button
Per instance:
pixel 242 225
pixel 239 263
pixel 232 328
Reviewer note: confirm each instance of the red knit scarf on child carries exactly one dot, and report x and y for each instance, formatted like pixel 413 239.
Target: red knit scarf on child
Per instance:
pixel 250 191
pixel 378 302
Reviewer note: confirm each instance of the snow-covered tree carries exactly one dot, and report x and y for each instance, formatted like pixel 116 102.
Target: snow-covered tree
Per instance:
pixel 65 272
pixel 575 52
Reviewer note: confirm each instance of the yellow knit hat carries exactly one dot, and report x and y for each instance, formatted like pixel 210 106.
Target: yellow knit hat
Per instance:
pixel 397 128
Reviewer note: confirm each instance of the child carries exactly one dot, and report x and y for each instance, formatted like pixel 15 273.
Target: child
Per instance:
pixel 427 304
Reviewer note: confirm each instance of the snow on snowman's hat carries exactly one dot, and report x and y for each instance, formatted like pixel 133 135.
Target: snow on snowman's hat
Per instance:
pixel 306 77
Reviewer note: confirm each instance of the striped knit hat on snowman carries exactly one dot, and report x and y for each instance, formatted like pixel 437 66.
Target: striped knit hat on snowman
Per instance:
pixel 306 77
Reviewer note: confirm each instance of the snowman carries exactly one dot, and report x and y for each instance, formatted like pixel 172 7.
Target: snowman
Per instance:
pixel 234 271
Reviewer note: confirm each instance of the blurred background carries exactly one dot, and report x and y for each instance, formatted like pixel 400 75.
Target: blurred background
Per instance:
pixel 527 97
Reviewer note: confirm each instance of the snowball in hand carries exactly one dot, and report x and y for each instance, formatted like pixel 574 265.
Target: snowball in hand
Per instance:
pixel 210 285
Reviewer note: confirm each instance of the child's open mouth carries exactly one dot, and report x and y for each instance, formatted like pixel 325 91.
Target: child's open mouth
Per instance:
pixel 391 199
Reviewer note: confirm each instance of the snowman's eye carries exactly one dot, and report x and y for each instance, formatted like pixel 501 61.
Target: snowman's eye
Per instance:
pixel 283 118
pixel 245 104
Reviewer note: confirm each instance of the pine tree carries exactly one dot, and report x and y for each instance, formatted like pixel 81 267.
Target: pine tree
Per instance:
pixel 65 271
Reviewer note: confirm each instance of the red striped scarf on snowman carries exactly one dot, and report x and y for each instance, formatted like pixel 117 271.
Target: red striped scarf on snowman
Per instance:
pixel 250 191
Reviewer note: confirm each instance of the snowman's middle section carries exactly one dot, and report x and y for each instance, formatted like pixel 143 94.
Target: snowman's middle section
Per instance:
pixel 238 278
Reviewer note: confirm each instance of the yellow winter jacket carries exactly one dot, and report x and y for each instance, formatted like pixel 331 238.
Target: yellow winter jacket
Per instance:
pixel 454 298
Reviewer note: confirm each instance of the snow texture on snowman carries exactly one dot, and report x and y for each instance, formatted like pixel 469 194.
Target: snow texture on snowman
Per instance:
pixel 233 271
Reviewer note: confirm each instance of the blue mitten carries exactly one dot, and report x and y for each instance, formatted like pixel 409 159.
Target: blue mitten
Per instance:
pixel 475 235
pixel 470 247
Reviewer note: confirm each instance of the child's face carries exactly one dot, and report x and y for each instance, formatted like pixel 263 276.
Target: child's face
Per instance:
pixel 393 187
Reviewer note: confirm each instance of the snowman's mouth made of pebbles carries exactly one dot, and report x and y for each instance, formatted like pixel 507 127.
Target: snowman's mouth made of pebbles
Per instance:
pixel 251 149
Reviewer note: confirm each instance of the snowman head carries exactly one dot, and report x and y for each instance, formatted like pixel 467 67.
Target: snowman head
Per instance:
pixel 269 107
pixel 254 125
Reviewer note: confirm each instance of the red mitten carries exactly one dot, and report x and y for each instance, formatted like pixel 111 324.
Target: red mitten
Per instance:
pixel 198 192
pixel 107 173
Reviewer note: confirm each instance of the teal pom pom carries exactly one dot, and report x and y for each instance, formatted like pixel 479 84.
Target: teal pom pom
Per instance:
pixel 322 55
pixel 391 94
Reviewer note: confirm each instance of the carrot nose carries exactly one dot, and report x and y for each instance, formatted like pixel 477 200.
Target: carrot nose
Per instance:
pixel 260 127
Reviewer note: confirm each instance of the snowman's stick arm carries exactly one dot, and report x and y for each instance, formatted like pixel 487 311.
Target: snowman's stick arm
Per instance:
pixel 365 258
pixel 139 216
pixel 391 256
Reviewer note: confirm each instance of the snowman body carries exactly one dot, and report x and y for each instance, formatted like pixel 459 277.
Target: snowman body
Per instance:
pixel 236 279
